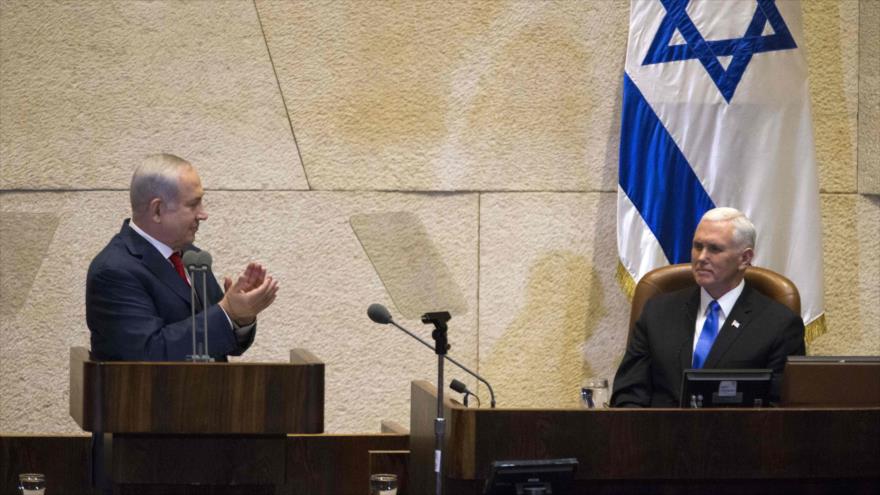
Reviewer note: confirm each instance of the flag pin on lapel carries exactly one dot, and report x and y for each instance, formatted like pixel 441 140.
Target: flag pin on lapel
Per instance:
pixel 735 324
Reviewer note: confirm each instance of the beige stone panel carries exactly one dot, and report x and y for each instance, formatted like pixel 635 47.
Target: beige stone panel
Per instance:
pixel 551 312
pixel 836 137
pixel 34 342
pixel 869 97
pixel 851 240
pixel 452 95
pixel 832 33
pixel 24 238
pixel 326 283
pixel 89 87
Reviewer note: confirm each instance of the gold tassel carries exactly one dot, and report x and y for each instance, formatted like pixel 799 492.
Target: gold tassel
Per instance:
pixel 815 329
pixel 627 284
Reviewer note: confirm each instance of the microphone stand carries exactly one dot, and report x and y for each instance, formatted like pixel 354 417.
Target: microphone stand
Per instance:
pixel 441 345
pixel 197 356
pixel 453 361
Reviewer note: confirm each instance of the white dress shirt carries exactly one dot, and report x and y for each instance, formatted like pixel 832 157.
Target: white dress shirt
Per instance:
pixel 726 302
pixel 241 333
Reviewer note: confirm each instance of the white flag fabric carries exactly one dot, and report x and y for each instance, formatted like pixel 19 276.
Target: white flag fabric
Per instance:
pixel 716 112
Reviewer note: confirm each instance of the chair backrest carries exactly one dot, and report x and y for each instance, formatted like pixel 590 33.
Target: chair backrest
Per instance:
pixel 673 277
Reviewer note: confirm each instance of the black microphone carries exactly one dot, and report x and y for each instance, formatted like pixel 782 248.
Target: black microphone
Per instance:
pixel 380 314
pixel 197 260
pixel 459 387
pixel 462 389
pixel 190 259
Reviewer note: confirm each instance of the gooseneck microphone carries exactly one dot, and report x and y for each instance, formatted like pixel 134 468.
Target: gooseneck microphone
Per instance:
pixel 379 314
pixel 198 261
pixel 462 389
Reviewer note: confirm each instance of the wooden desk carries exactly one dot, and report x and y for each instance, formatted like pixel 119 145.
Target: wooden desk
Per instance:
pixel 175 423
pixel 659 450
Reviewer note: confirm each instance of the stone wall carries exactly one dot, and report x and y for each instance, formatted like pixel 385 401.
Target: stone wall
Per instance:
pixel 496 123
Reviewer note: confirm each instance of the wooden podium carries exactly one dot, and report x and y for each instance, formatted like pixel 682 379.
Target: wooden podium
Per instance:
pixel 168 424
pixel 654 450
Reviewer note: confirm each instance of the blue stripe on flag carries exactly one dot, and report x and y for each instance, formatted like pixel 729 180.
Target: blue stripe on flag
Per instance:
pixel 657 178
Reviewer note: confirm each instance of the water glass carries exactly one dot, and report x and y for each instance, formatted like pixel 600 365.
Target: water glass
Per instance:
pixel 383 484
pixel 31 484
pixel 594 393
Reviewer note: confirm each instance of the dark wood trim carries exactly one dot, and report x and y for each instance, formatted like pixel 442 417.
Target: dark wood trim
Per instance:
pixel 772 447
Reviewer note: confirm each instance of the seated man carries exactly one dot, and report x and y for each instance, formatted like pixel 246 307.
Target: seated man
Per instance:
pixel 723 323
pixel 138 303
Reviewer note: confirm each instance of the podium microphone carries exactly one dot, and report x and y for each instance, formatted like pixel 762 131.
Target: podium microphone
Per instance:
pixel 462 389
pixel 198 261
pixel 379 314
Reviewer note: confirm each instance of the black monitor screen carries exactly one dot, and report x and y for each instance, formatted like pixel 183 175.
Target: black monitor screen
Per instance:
pixel 548 476
pixel 725 388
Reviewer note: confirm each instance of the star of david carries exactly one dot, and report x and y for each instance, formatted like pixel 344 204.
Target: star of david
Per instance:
pixel 708 52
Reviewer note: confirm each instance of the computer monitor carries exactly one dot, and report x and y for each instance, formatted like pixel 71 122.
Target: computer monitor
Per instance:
pixel 531 477
pixel 725 388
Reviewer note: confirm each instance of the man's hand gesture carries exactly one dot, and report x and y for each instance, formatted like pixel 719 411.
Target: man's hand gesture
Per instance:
pixel 251 292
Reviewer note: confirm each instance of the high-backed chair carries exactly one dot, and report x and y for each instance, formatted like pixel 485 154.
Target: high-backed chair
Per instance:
pixel 673 277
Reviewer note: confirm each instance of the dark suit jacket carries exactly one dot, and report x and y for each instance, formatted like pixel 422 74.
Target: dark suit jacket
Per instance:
pixel 661 345
pixel 138 307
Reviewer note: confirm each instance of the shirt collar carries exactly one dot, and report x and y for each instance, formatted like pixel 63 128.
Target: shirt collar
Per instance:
pixel 163 248
pixel 726 301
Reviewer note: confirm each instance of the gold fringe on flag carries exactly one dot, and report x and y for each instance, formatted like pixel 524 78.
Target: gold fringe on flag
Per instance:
pixel 815 329
pixel 627 284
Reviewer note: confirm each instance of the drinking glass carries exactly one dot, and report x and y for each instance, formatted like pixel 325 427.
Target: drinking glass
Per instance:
pixel 594 393
pixel 383 484
pixel 31 484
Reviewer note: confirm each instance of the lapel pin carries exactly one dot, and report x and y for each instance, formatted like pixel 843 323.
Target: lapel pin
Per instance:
pixel 735 324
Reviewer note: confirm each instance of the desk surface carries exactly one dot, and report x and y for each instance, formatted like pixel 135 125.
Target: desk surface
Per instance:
pixel 653 444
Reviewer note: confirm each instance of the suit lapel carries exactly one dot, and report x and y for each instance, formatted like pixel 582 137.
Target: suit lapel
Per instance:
pixel 689 314
pixel 154 262
pixel 741 314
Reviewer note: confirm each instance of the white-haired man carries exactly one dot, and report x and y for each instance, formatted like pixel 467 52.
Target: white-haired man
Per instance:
pixel 138 303
pixel 722 323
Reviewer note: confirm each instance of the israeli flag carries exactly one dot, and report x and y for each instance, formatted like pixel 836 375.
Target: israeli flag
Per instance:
pixel 716 112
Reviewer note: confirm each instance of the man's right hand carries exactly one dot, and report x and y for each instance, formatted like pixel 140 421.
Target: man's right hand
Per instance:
pixel 250 293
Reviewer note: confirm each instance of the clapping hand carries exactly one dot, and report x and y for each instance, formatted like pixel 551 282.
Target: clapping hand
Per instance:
pixel 249 294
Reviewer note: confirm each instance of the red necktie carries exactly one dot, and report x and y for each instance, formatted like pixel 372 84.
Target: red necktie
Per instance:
pixel 178 265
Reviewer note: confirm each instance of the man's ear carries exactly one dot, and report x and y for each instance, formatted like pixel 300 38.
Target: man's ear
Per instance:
pixel 155 209
pixel 746 258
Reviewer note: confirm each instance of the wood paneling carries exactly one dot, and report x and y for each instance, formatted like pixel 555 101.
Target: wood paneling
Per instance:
pixel 190 398
pixel 392 462
pixel 335 464
pixel 63 459
pixel 680 446
pixel 199 459
pixel 830 384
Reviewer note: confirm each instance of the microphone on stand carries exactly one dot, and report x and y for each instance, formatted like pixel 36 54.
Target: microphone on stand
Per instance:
pixel 379 314
pixel 462 389
pixel 198 261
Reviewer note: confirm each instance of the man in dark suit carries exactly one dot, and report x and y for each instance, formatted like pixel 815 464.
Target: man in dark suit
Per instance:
pixel 722 323
pixel 138 304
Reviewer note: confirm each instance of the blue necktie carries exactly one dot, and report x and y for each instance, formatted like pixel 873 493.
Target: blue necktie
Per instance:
pixel 707 336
